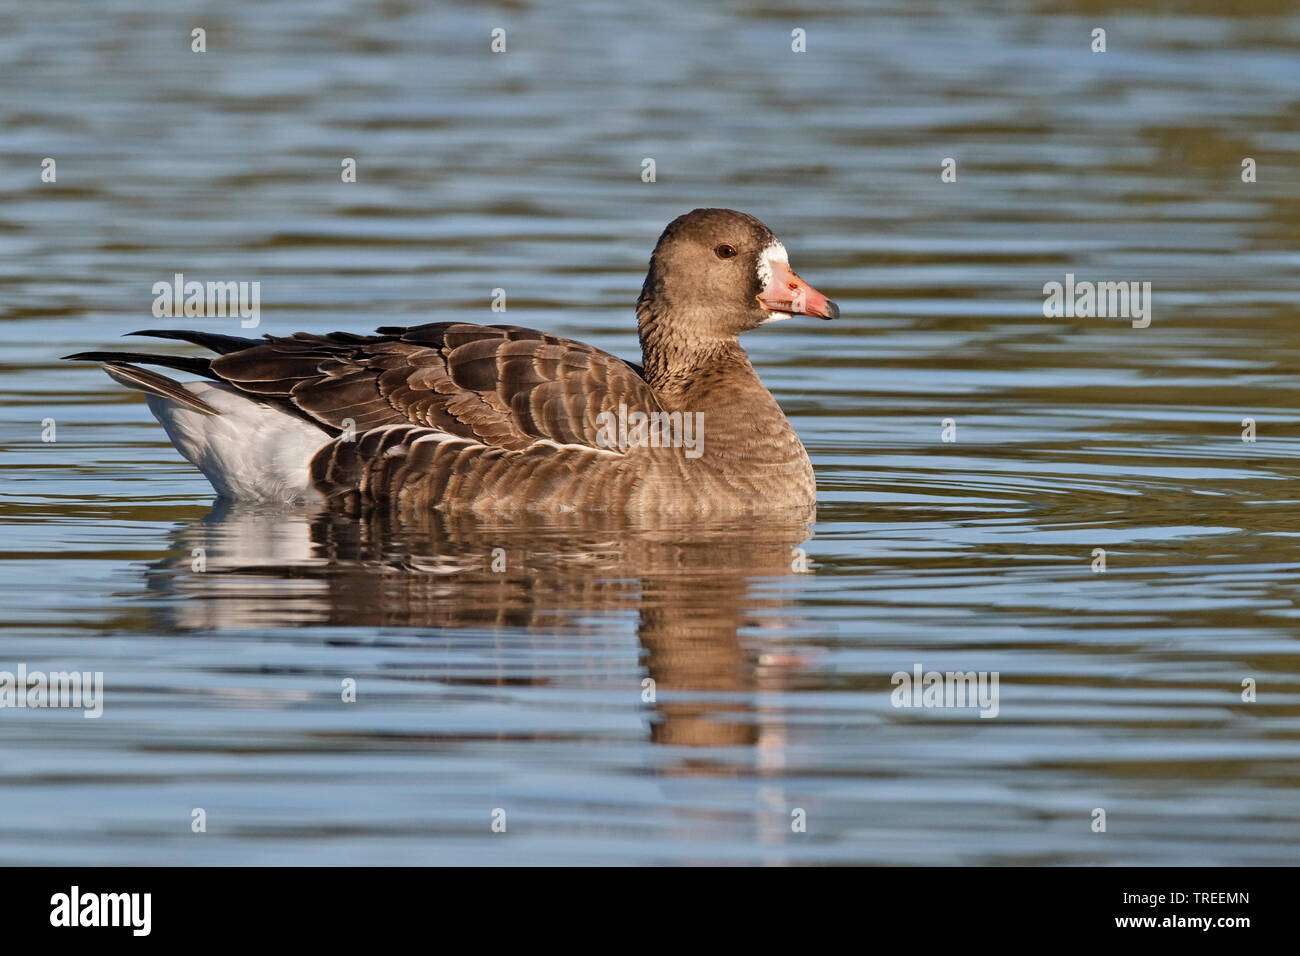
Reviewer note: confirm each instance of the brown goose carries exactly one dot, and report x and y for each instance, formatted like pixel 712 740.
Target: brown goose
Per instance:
pixel 461 417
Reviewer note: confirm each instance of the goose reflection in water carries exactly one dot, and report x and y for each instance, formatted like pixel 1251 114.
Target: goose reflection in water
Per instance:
pixel 693 588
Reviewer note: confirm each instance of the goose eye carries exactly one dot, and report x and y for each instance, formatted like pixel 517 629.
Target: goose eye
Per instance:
pixel 725 251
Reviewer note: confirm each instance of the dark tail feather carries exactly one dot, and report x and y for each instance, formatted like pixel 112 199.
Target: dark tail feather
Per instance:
pixel 182 363
pixel 144 380
pixel 221 344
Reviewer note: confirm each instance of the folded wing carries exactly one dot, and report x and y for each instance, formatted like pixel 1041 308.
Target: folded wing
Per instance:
pixel 499 386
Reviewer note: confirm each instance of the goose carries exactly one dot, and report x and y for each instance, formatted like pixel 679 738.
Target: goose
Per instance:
pixel 491 419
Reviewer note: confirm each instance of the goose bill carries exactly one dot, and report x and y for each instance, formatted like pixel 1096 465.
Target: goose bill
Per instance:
pixel 786 292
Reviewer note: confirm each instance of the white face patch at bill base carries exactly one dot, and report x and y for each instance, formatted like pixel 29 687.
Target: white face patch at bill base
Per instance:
pixel 774 252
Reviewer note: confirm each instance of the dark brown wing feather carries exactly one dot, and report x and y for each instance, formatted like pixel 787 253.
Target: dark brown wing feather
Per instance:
pixel 499 385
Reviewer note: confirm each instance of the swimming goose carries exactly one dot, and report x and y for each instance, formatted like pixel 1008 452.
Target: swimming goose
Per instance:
pixel 472 418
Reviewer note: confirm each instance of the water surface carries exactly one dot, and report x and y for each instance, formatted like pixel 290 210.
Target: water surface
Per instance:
pixel 525 689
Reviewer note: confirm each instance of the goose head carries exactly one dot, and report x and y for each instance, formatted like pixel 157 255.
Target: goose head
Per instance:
pixel 716 273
